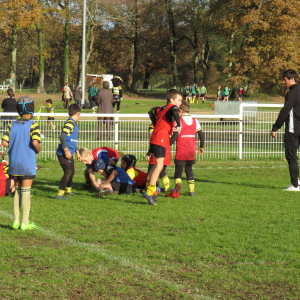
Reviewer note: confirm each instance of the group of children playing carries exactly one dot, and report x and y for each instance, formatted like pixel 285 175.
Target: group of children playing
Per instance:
pixel 23 138
pixel 192 93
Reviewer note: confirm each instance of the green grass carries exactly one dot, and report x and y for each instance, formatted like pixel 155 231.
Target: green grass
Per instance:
pixel 237 239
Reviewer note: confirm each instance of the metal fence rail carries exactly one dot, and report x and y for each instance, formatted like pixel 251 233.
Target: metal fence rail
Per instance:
pixel 246 135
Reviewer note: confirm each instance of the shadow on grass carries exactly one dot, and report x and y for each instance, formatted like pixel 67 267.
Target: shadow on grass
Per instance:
pixel 6 227
pixel 256 186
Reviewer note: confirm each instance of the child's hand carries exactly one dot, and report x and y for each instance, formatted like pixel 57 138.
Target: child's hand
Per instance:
pixel 68 153
pixel 147 157
pixel 175 129
pixel 201 151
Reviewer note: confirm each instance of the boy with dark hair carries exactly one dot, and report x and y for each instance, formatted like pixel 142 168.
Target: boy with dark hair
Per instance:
pixel 65 151
pixel 22 139
pixel 90 158
pixel 185 148
pixel 50 109
pixel 290 115
pixel 116 180
pixel 138 177
pixel 162 119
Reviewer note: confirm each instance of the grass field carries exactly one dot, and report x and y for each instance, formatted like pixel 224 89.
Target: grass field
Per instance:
pixel 237 239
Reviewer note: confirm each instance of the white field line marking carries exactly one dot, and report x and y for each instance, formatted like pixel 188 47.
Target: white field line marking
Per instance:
pixel 118 259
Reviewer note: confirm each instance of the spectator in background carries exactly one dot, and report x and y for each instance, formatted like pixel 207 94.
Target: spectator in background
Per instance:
pixel 67 95
pixel 93 92
pixel 9 104
pixel 105 106
pixel 78 95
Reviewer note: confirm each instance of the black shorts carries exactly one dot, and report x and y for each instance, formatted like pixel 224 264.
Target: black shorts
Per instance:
pixel 64 161
pixel 123 188
pixel 20 177
pixel 184 162
pixel 116 97
pixel 157 150
pixel 202 95
pixel 50 118
pixel 240 95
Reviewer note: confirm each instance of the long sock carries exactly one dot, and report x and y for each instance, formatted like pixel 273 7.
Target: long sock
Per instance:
pixel 166 183
pixel 68 189
pixel 177 180
pixel 151 189
pixel 191 185
pixel 25 194
pixel 60 192
pixel 118 105
pixel 147 184
pixel 17 203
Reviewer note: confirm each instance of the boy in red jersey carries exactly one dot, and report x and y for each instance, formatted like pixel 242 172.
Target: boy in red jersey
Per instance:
pixel 185 148
pixel 162 119
pixel 167 162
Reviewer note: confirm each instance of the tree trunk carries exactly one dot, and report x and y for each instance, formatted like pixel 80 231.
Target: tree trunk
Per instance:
pixel 135 61
pixel 67 42
pixel 230 51
pixel 196 58
pixel 41 87
pixel 172 41
pixel 130 66
pixel 147 79
pixel 13 63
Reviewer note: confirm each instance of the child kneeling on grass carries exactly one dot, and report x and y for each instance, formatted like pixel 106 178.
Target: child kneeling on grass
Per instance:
pixel 116 179
pixel 22 139
pixel 138 177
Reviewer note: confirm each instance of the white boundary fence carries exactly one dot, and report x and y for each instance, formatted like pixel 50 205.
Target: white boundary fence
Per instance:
pixel 246 135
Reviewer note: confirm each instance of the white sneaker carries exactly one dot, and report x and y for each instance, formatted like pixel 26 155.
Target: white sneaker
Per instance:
pixel 292 188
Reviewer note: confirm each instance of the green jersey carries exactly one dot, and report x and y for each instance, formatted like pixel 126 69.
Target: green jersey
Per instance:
pixel 203 90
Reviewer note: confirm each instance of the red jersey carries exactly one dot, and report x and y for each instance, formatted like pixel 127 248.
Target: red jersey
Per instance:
pixel 3 179
pixel 138 177
pixel 111 153
pixel 186 141
pixel 163 128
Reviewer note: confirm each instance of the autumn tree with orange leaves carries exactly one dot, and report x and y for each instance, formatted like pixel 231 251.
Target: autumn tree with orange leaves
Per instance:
pixel 262 39
pixel 15 15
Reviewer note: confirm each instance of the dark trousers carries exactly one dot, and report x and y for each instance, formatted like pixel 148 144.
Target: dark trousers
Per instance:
pixel 188 171
pixel 69 172
pixel 291 145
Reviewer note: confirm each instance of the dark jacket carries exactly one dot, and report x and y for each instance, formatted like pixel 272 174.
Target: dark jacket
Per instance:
pixel 77 94
pixel 9 105
pixel 290 113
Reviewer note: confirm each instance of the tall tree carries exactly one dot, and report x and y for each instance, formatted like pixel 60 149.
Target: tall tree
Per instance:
pixel 15 15
pixel 263 42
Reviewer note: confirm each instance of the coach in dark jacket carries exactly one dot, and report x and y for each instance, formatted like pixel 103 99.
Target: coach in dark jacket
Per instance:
pixel 77 95
pixel 290 115
pixel 104 102
pixel 9 104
